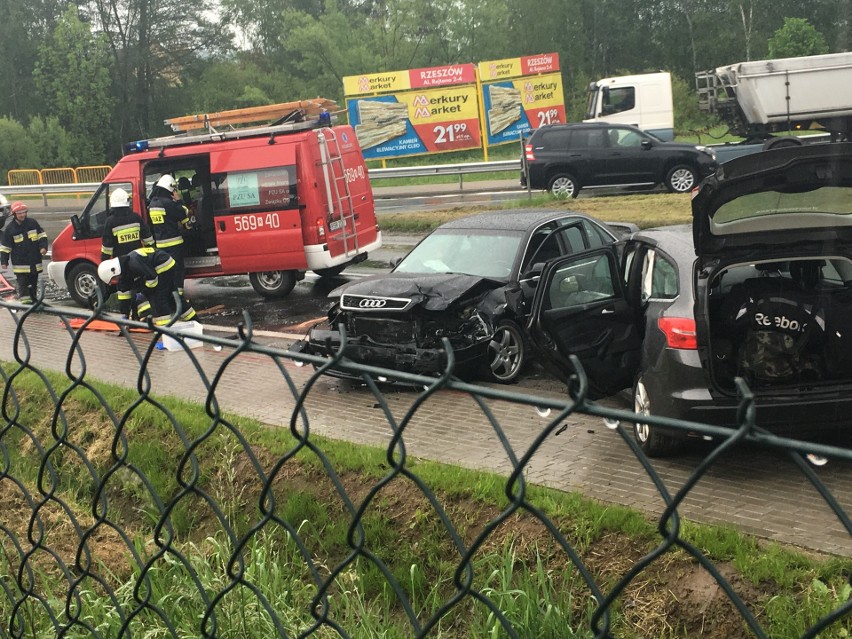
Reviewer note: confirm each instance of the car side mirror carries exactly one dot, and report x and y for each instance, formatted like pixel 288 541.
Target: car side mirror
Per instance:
pixel 78 226
pixel 646 144
pixel 395 262
pixel 533 273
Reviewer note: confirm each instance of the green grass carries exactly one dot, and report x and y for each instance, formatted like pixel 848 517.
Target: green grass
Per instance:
pixel 520 567
pixel 645 210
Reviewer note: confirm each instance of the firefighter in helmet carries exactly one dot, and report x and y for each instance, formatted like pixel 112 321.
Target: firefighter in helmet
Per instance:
pixel 125 231
pixel 169 220
pixel 25 242
pixel 152 272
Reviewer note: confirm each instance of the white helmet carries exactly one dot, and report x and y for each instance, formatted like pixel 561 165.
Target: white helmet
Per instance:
pixel 109 269
pixel 167 182
pixel 119 198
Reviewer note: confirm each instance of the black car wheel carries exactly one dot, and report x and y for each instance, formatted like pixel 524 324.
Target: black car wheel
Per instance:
pixel 563 186
pixel 681 179
pixel 273 284
pixel 83 283
pixel 331 271
pixel 507 353
pixel 652 442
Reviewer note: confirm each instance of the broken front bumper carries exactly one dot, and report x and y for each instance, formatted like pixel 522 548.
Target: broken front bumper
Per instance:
pixel 406 358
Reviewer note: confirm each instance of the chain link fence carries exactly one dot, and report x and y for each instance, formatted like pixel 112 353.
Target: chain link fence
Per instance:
pixel 126 514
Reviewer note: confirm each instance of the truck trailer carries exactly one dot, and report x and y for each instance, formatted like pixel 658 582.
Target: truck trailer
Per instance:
pixel 762 98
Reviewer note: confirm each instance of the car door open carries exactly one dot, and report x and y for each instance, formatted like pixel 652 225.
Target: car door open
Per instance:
pixel 580 308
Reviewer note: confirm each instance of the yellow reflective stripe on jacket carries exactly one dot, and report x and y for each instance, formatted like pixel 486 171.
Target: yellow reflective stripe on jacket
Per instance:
pixel 126 233
pixel 170 241
pixel 157 215
pixel 26 268
pixel 165 266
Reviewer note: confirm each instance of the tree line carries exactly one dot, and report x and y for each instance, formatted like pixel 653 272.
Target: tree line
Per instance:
pixel 78 78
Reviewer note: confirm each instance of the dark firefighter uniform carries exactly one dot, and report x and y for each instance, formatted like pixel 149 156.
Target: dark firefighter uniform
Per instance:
pixel 169 219
pixel 23 242
pixel 151 272
pixel 125 231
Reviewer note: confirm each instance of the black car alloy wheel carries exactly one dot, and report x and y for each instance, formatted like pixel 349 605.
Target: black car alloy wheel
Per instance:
pixel 506 353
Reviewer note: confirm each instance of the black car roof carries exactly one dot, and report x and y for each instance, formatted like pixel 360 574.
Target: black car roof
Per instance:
pixel 509 219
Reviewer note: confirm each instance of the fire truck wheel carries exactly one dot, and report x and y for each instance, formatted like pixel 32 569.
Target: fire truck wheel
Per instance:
pixel 83 282
pixel 273 283
pixel 331 271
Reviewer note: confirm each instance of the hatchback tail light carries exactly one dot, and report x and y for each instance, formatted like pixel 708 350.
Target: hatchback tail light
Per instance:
pixel 320 230
pixel 528 152
pixel 680 332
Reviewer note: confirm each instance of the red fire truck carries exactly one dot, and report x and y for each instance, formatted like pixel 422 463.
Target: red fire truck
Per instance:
pixel 272 201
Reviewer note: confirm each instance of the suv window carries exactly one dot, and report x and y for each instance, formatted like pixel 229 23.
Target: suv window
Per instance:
pixel 624 138
pixel 592 138
pixel 555 139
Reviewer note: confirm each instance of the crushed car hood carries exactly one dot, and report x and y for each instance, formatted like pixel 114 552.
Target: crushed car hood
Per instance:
pixel 434 292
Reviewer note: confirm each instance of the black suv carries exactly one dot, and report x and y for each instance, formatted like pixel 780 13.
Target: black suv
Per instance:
pixel 564 158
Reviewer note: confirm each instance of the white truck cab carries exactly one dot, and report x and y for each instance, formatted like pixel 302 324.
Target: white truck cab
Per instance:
pixel 644 100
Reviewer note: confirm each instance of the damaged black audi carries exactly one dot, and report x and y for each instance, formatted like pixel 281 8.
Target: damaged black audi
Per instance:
pixel 470 281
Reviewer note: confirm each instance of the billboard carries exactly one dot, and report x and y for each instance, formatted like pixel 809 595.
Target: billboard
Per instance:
pixel 394 81
pixel 453 107
pixel 416 122
pixel 519 95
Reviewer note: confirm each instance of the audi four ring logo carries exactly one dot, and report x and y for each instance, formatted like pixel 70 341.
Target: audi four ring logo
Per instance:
pixel 372 303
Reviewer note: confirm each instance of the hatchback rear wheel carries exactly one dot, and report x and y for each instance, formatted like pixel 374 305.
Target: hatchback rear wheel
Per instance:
pixel 563 186
pixel 652 442
pixel 681 179
pixel 507 353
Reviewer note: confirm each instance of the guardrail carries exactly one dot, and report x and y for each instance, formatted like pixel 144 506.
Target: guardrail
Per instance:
pixel 460 170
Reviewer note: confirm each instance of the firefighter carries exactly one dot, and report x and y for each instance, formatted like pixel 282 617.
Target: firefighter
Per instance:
pixel 150 271
pixel 125 231
pixel 169 220
pixel 25 242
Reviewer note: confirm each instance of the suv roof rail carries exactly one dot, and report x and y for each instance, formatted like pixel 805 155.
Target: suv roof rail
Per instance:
pixel 286 117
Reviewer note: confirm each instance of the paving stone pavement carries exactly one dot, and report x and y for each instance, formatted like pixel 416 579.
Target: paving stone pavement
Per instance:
pixel 759 492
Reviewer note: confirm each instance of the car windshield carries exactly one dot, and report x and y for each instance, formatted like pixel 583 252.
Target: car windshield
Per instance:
pixel 481 252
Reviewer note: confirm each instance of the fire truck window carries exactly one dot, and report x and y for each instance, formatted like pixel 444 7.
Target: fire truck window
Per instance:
pixel 94 217
pixel 271 189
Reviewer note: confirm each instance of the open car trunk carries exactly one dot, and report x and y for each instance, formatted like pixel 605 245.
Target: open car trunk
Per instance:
pixel 773 240
pixel 781 325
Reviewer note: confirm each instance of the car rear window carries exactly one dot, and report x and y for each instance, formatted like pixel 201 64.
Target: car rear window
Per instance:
pixel 829 204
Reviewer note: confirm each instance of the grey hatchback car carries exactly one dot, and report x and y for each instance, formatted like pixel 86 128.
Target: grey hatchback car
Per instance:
pixel 758 288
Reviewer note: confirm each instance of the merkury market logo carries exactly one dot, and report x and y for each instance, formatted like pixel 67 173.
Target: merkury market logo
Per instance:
pixel 426 107
pixel 538 91
pixel 367 84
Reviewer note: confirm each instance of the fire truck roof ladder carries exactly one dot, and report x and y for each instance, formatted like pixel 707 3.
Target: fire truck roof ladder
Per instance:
pixel 270 113
pixel 286 117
